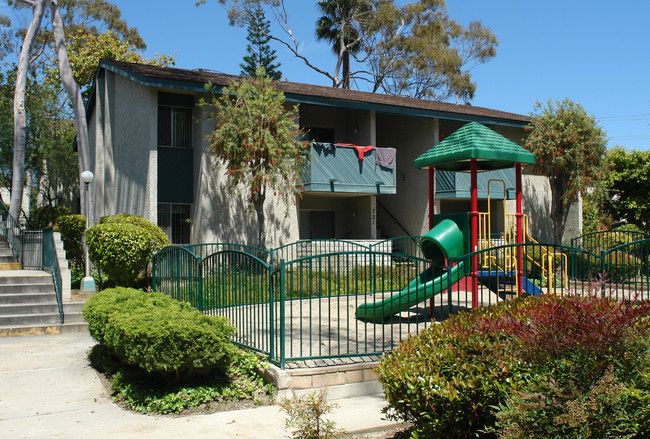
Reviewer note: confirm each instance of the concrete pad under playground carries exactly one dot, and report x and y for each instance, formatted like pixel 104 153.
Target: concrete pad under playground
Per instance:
pixel 48 390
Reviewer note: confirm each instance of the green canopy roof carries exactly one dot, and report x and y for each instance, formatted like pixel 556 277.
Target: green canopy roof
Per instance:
pixel 474 141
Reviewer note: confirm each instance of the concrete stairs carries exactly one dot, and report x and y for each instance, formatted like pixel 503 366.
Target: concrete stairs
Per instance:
pixel 28 305
pixel 7 260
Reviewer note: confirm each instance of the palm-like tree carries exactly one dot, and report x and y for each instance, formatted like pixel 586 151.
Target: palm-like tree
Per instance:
pixel 339 25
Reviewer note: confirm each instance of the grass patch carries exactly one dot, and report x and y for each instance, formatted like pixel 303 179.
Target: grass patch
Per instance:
pixel 131 388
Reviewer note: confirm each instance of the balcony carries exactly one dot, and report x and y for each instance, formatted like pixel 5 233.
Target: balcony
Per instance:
pixel 457 184
pixel 337 168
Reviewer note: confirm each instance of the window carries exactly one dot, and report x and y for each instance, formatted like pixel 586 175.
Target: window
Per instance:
pixel 175 153
pixel 175 221
pixel 175 120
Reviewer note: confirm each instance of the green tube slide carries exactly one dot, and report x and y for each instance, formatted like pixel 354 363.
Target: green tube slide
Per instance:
pixel 445 240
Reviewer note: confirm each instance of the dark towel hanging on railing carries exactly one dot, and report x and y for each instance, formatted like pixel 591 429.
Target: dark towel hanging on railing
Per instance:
pixel 385 157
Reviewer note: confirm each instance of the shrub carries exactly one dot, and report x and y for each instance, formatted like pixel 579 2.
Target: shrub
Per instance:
pixel 44 216
pixel 527 368
pixel 72 228
pixel 590 216
pixel 159 335
pixel 618 266
pixel 157 235
pixel 305 415
pixel 120 250
pixel 445 379
pixel 589 361
pixel 622 266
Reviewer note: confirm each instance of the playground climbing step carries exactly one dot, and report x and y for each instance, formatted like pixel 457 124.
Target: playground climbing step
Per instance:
pixel 505 283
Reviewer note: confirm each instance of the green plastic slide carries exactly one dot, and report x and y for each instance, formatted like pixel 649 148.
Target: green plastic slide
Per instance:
pixel 445 240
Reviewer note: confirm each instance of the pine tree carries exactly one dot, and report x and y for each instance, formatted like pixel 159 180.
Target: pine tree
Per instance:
pixel 259 52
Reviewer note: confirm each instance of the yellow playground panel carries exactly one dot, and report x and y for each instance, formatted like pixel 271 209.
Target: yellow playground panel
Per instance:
pixel 550 262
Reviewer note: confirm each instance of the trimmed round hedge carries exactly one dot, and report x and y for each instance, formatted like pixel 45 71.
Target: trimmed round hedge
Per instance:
pixel 158 237
pixel 122 251
pixel 159 334
pixel 121 246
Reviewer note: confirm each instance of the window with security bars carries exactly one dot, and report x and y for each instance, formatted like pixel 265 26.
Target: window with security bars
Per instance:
pixel 175 221
pixel 174 126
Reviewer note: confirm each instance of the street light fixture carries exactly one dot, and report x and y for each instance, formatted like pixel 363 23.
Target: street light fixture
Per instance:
pixel 88 282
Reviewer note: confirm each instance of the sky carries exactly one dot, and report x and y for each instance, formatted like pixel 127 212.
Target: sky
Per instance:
pixel 593 52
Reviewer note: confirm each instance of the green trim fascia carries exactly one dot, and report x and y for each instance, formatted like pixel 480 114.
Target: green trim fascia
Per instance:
pixel 404 111
pixel 350 188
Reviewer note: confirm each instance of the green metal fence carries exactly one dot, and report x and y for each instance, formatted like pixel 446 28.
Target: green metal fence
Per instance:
pixel 294 306
pixel 299 309
pixel 605 240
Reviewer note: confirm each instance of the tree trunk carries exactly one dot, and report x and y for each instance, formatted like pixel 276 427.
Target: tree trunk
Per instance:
pixel 345 72
pixel 559 211
pixel 18 177
pixel 258 204
pixel 74 94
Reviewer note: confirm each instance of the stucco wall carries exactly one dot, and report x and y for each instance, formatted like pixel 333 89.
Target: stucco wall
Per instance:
pixel 124 153
pixel 411 137
pixel 536 203
pixel 221 214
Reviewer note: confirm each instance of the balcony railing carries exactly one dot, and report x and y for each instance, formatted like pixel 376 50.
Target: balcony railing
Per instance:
pixel 338 168
pixel 457 184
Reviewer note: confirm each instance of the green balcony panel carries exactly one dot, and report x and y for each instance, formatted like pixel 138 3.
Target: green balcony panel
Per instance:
pixel 457 184
pixel 337 168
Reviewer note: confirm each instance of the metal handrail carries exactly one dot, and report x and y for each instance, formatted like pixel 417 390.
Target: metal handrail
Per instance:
pixel 50 262
pixel 11 232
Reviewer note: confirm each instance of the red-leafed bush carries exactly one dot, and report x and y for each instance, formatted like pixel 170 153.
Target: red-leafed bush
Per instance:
pixel 546 367
pixel 552 327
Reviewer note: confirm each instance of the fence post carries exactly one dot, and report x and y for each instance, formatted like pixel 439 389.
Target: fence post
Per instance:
pixel 271 310
pixel 153 271
pixel 200 274
pixel 22 249
pixel 603 276
pixel 178 279
pixel 282 325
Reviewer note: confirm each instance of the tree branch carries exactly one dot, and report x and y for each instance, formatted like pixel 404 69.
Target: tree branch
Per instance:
pixel 74 94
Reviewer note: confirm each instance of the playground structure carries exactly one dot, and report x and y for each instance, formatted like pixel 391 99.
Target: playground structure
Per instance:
pixel 470 148
pixel 344 301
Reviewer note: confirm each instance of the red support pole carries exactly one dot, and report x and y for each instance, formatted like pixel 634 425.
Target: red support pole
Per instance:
pixel 519 215
pixel 431 196
pixel 474 232
pixel 431 212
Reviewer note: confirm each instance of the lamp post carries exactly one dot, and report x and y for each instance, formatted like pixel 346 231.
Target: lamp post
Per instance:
pixel 87 283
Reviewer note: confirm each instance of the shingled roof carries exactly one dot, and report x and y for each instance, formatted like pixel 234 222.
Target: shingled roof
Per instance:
pixel 194 80
pixel 474 141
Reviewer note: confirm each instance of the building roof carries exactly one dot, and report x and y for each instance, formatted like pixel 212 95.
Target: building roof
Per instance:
pixel 474 141
pixel 194 80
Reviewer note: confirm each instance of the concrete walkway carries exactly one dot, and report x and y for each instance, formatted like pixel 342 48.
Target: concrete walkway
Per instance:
pixel 48 390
